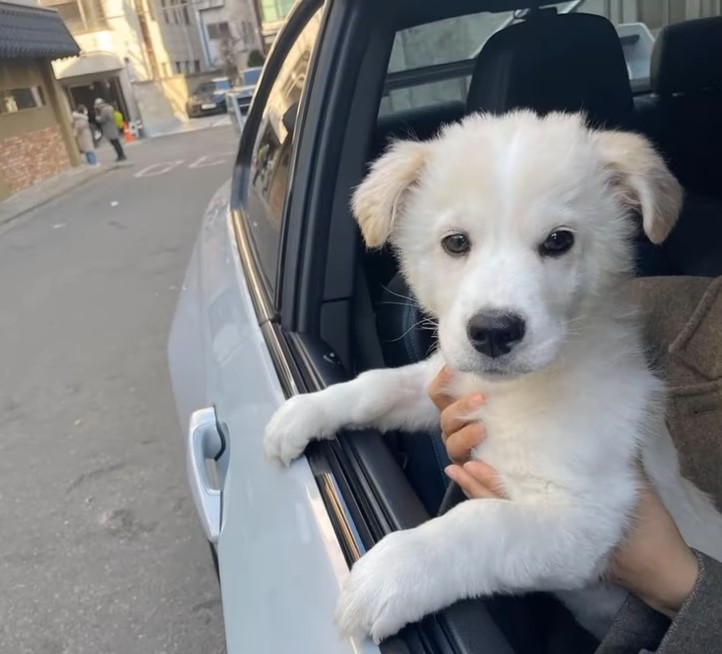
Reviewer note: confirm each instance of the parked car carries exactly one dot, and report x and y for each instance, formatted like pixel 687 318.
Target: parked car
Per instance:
pixel 244 93
pixel 281 298
pixel 208 98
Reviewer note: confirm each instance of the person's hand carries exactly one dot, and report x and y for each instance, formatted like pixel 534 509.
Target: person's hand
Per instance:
pixel 460 435
pixel 653 561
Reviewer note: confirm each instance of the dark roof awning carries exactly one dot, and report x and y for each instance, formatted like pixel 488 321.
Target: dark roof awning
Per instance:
pixel 29 32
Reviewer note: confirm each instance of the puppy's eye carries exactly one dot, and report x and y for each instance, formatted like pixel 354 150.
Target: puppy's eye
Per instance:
pixel 557 243
pixel 456 244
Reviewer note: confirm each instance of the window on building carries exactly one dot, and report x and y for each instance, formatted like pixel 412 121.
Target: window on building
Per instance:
pixel 79 15
pixel 29 97
pixel 270 160
pixel 178 67
pixel 164 10
pixel 218 31
pixel 274 10
pixel 247 34
pixel 70 13
pixel 186 17
pixel 196 66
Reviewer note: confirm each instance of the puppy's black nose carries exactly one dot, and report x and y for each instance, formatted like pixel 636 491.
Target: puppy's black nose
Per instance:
pixel 495 333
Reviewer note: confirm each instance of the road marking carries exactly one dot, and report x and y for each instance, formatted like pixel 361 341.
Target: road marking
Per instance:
pixel 208 160
pixel 158 168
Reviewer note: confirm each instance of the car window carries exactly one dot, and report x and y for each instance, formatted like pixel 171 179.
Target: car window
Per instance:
pixel 222 84
pixel 441 42
pixel 459 40
pixel 273 149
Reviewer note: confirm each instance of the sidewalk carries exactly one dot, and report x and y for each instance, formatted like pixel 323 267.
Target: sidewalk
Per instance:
pixel 43 192
pixel 191 125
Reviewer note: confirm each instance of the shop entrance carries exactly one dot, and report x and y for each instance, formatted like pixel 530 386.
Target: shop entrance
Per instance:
pixel 109 89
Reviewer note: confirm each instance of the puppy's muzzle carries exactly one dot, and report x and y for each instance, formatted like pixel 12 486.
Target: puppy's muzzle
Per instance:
pixel 495 333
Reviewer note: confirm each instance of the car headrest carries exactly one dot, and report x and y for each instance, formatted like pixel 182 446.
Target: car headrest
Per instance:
pixel 419 123
pixel 687 57
pixel 406 334
pixel 550 62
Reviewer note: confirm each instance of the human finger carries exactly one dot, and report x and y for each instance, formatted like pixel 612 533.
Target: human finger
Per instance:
pixel 437 389
pixel 471 487
pixel 460 443
pixel 476 479
pixel 456 415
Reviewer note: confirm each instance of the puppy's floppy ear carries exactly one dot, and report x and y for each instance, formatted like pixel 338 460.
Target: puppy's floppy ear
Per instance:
pixel 377 200
pixel 645 182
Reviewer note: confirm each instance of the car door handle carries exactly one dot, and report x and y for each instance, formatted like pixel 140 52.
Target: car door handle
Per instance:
pixel 204 443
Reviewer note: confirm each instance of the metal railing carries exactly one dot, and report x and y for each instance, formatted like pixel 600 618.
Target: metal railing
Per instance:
pixel 234 111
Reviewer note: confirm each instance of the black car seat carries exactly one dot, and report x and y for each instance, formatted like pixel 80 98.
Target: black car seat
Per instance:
pixel 562 62
pixel 555 62
pixel 683 119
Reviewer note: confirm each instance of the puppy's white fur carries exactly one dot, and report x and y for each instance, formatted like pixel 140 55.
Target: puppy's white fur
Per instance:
pixel 570 411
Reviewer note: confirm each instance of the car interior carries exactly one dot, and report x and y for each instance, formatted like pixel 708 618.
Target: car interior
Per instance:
pixel 548 60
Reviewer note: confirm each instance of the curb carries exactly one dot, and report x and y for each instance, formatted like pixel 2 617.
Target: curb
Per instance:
pixel 185 130
pixel 5 220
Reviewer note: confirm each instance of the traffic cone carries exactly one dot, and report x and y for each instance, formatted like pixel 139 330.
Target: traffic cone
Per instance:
pixel 127 133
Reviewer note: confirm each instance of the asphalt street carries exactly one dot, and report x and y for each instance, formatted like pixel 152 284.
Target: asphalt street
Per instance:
pixel 100 548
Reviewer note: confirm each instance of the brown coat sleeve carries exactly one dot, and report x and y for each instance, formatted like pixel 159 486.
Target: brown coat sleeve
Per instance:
pixel 697 628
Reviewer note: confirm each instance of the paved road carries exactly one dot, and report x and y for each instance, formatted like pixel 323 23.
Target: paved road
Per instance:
pixel 100 551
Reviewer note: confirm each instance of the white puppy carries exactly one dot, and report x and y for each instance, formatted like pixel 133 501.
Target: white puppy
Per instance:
pixel 515 233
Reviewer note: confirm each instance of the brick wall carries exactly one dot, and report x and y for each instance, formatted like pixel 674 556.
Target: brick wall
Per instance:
pixel 32 157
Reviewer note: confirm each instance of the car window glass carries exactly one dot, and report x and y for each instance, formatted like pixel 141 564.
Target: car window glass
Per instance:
pixel 223 84
pixel 461 39
pixel 272 151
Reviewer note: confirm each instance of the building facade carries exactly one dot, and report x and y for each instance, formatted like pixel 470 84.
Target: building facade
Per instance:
pixel 36 140
pixel 231 32
pixel 144 56
pixel 272 14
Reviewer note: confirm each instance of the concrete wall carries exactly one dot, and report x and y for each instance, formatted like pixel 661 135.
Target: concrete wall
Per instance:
pixel 35 144
pixel 162 101
pixel 141 45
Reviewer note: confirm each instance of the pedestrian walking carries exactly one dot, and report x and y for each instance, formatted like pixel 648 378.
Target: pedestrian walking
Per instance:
pixel 105 116
pixel 83 134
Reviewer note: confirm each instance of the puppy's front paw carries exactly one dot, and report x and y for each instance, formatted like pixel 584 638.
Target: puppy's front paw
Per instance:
pixel 382 594
pixel 297 421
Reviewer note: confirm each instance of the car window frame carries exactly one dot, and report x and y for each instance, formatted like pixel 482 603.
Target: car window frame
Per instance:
pixel 266 295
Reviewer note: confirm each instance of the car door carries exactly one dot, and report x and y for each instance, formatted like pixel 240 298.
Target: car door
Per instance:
pixel 280 562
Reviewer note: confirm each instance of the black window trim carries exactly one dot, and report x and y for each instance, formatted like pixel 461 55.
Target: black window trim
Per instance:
pixel 266 297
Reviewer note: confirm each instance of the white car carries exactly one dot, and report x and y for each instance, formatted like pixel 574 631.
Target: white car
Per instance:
pixel 280 298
